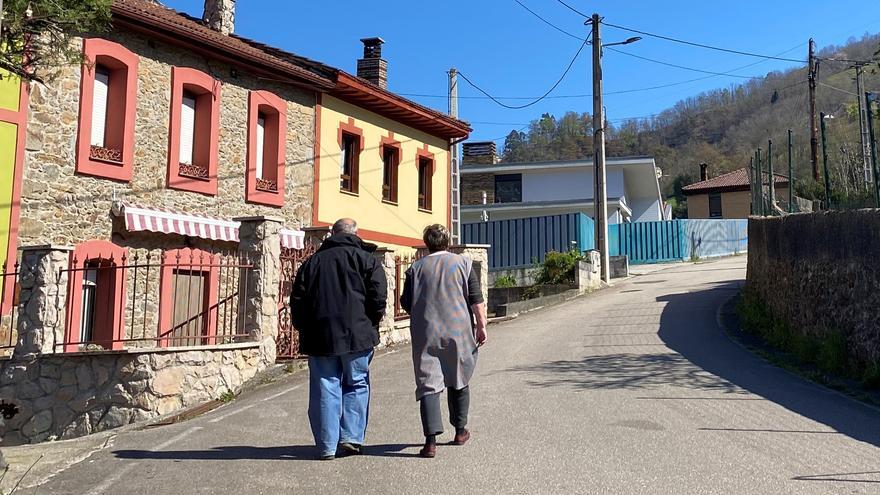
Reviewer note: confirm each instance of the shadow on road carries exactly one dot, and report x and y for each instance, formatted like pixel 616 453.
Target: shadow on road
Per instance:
pixel 245 452
pixel 708 348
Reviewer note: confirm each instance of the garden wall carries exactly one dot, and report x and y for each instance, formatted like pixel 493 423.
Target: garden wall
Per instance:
pixel 819 273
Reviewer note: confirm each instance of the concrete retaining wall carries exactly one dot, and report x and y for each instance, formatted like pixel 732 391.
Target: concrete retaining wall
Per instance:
pixel 819 272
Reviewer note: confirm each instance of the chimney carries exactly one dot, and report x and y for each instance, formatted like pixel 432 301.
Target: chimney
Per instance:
pixel 479 153
pixel 220 15
pixel 373 67
pixel 704 171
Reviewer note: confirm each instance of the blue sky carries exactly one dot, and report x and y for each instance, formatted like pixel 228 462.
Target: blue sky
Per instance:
pixel 509 52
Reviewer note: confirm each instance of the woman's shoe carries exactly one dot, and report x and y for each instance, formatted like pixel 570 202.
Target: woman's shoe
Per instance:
pixel 429 451
pixel 461 437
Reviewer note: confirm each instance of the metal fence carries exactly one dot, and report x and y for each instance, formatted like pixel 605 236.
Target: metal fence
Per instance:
pixel 675 240
pixel 287 342
pixel 9 274
pixel 187 298
pixel 522 242
pixel 401 265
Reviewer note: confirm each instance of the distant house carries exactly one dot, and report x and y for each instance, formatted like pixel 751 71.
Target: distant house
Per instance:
pixel 502 191
pixel 726 196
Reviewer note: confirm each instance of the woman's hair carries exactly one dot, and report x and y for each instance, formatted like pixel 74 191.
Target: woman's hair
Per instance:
pixel 436 238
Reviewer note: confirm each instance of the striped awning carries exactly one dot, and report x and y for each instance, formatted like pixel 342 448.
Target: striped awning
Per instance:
pixel 139 219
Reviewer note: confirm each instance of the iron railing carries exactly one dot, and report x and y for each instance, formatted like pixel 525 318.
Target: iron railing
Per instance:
pixel 185 298
pixel 401 265
pixel 8 307
pixel 287 341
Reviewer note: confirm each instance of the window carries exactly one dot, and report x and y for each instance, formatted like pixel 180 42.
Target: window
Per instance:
pixel 348 173
pixel 96 296
pixel 267 123
pixel 189 298
pixel 426 166
pixel 390 151
pixel 108 94
pixel 715 205
pixel 351 144
pixel 508 188
pixel 193 137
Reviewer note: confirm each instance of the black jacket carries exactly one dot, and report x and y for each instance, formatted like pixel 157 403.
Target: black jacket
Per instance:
pixel 339 298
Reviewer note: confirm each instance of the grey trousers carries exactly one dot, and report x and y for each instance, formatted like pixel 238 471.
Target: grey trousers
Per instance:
pixel 429 406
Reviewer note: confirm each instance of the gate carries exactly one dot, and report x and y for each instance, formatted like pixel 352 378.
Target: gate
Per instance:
pixel 287 341
pixel 647 242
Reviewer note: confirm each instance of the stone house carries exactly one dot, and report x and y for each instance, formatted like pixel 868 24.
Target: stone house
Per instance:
pixel 160 194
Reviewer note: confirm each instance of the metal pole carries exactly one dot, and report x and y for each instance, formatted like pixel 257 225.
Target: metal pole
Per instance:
pixel 863 129
pixel 601 193
pixel 812 69
pixel 752 185
pixel 760 182
pixel 875 167
pixel 454 162
pixel 771 181
pixel 825 163
pixel 790 177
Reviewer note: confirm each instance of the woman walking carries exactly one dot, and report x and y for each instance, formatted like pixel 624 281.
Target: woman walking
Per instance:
pixel 442 294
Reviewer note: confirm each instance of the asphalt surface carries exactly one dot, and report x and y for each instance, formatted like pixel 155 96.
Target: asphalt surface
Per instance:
pixel 634 389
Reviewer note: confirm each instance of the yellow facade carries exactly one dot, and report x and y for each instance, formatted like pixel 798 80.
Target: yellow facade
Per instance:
pixel 10 94
pixel 395 226
pixel 734 204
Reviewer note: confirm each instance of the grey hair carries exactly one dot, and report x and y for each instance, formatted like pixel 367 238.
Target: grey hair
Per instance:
pixel 436 238
pixel 345 226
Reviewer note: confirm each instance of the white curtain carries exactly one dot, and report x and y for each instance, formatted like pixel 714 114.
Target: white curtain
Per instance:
pixel 99 106
pixel 187 129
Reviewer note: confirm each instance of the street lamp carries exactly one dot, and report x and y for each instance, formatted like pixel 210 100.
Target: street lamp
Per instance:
pixel 600 189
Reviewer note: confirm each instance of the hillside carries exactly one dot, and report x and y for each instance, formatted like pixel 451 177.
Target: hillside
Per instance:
pixel 723 127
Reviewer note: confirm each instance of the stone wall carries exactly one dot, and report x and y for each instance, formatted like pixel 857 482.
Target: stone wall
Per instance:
pixel 819 273
pixel 70 395
pixel 472 187
pixel 60 207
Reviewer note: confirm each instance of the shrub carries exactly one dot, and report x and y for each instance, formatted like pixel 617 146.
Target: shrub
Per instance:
pixel 505 282
pixel 558 268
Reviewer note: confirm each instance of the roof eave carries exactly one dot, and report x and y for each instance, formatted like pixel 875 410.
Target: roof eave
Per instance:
pixel 362 93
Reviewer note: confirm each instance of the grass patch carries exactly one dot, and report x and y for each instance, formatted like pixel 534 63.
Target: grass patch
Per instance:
pixel 824 359
pixel 227 396
pixel 505 282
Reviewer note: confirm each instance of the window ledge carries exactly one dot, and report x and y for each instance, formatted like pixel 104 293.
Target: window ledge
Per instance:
pixel 389 202
pixel 425 211
pixel 193 172
pixel 350 193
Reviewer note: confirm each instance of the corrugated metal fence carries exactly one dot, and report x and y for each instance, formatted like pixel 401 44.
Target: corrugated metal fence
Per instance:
pixel 673 240
pixel 523 241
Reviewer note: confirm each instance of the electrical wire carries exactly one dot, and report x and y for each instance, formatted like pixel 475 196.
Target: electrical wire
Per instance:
pixel 701 45
pixel 517 107
pixel 576 11
pixel 837 89
pixel 668 64
pixel 554 26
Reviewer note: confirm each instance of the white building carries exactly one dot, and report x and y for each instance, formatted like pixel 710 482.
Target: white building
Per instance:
pixel 520 190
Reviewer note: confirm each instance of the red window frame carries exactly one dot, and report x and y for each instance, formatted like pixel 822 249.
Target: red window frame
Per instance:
pixel 121 105
pixel 274 149
pixel 109 324
pixel 207 131
pixel 390 144
pixel 357 133
pixel 194 260
pixel 425 159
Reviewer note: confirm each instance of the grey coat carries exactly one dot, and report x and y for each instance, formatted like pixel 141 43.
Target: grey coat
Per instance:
pixel 444 349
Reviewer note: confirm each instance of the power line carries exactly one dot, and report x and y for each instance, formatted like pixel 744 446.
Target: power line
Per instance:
pixel 576 11
pixel 837 89
pixel 668 64
pixel 517 107
pixel 701 45
pixel 554 26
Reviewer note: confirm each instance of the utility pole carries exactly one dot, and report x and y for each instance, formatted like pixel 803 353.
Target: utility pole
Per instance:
pixel 772 181
pixel 863 127
pixel 812 73
pixel 752 183
pixel 600 193
pixel 790 177
pixel 455 163
pixel 825 163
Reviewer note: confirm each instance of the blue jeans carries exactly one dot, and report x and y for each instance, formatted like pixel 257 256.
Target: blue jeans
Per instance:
pixel 339 399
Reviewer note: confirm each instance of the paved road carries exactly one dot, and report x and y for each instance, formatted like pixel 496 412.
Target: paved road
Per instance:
pixel 632 390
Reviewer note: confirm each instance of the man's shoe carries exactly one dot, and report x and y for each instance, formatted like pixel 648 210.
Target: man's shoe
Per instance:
pixel 461 437
pixel 349 448
pixel 429 451
pixel 328 457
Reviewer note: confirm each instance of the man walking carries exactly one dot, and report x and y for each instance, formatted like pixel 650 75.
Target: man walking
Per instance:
pixel 338 299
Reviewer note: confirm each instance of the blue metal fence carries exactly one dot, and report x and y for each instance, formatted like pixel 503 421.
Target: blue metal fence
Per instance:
pixel 673 240
pixel 523 241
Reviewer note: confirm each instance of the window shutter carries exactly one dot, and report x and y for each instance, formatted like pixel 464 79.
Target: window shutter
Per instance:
pixel 99 106
pixel 187 129
pixel 261 141
pixel 342 157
